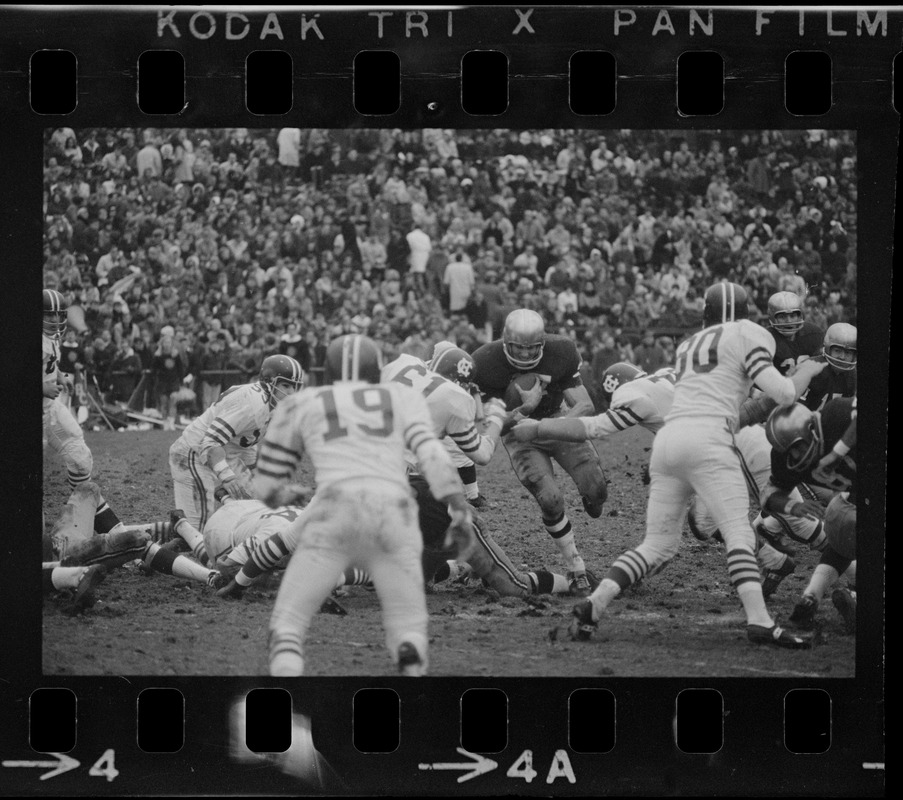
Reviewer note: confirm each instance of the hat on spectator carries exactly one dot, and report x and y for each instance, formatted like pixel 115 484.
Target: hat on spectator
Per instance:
pixel 297 219
pixel 167 330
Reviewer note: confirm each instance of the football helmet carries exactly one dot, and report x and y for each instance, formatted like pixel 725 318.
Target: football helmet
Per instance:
pixel 840 346
pixel 55 313
pixel 353 357
pixel 523 338
pixel 725 302
pixel 796 431
pixel 455 364
pixel 282 375
pixel 617 375
pixel 785 312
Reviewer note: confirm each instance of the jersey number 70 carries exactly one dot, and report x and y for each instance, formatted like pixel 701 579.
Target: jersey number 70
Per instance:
pixel 699 354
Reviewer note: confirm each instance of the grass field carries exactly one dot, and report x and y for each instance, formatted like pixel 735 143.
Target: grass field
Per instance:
pixel 684 622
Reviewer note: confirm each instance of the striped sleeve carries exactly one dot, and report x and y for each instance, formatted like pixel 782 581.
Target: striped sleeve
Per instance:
pixel 757 360
pixel 220 431
pixel 281 448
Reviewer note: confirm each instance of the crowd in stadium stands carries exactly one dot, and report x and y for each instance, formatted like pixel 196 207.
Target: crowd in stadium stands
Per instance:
pixel 199 252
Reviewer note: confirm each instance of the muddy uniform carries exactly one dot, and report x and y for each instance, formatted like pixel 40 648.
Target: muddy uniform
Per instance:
pixel 840 517
pixel 61 430
pixel 789 352
pixel 237 421
pixel 559 370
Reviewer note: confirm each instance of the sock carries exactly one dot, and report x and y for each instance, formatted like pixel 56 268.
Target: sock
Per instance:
pixel 629 568
pixel 770 558
pixel 64 577
pixel 560 584
pixel 564 541
pixel 471 491
pixel 747 580
pixel 607 590
pixel 286 659
pixel 75 479
pixel 818 540
pixel 105 518
pixel 194 539
pixel 823 576
pixel 468 477
pixel 544 582
pixel 354 577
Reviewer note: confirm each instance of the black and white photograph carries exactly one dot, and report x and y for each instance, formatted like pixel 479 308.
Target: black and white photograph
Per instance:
pixel 510 348
pixel 557 298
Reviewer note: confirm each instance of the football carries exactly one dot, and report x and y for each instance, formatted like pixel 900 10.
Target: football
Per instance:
pixel 526 380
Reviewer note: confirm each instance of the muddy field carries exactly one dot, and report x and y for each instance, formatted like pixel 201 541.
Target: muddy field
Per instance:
pixel 684 622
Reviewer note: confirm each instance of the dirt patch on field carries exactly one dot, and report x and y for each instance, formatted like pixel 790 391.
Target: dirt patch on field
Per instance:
pixel 684 622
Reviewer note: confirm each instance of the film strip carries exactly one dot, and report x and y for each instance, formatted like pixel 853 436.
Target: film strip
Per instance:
pixel 161 688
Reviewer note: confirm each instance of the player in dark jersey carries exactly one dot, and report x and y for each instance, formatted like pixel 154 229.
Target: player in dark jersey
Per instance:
pixel 525 347
pixel 795 338
pixel 818 448
pixel 839 379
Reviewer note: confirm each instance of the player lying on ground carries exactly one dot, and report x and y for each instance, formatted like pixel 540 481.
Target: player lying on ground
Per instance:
pixel 819 447
pixel 487 562
pixel 79 539
pixel 694 453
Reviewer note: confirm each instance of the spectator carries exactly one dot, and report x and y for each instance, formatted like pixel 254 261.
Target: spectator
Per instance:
pixel 460 281
pixel 649 355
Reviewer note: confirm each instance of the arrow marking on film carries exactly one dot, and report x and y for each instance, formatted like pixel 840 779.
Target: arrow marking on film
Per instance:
pixel 478 766
pixel 63 764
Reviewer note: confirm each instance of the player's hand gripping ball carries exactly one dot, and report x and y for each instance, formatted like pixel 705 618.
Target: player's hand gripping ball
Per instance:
pixel 524 393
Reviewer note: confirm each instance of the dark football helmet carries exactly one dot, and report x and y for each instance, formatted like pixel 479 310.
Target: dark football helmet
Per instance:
pixel 617 375
pixel 840 346
pixel 455 364
pixel 353 357
pixel 282 375
pixel 796 431
pixel 785 311
pixel 523 338
pixel 725 302
pixel 55 313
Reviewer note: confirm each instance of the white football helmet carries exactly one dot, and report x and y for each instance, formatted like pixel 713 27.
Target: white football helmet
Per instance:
pixel 840 346
pixel 785 311
pixel 523 338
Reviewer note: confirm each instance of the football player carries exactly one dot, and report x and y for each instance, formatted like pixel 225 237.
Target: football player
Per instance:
pixel 795 338
pixel 525 347
pixel 636 398
pixel 818 447
pixel 219 448
pixel 356 432
pixel 839 379
pixel 61 430
pixel 457 365
pixel 73 543
pixel 694 452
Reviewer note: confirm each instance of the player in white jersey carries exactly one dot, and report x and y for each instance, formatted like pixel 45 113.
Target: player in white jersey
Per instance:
pixel 61 430
pixel 452 408
pixel 219 448
pixel 694 452
pixel 638 399
pixel 356 432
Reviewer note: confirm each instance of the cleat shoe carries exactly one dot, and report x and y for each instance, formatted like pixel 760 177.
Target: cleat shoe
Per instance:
pixel 217 580
pixel 582 626
pixel 84 592
pixel 409 661
pixel 772 578
pixel 803 615
pixel 478 502
pixel 591 508
pixel 845 603
pixel 777 636
pixel 578 584
pixel 777 541
pixel 593 580
pixel 332 606
pixel 232 589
